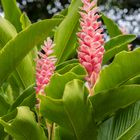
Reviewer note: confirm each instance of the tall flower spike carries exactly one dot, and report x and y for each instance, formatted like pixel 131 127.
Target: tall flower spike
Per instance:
pixel 91 41
pixel 45 66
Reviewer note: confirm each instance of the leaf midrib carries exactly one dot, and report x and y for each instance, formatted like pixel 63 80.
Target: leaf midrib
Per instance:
pixel 72 124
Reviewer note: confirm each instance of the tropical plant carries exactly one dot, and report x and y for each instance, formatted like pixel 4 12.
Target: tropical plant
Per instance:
pixel 55 95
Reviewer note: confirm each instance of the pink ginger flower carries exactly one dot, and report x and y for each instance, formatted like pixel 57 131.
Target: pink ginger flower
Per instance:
pixel 45 66
pixel 91 40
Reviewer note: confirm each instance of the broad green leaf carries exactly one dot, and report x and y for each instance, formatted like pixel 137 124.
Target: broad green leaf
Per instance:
pixel 7 31
pixel 63 134
pixel 24 126
pixel 135 80
pixel 16 50
pixel 2 133
pixel 111 26
pixel 126 120
pixel 65 36
pixel 119 41
pixel 64 64
pixel 131 132
pixel 67 68
pixel 13 15
pixel 27 98
pixel 73 111
pixel 106 103
pixel 59 81
pixel 116 45
pixel 25 21
pixel 125 66
pixel 61 14
pixel 4 106
pixel 16 88
pixel 25 71
pixel 75 67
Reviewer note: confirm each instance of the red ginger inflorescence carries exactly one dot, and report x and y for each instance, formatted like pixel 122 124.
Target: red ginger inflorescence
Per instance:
pixel 91 40
pixel 45 66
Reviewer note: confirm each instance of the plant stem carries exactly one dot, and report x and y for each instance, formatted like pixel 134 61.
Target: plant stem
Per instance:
pixel 50 130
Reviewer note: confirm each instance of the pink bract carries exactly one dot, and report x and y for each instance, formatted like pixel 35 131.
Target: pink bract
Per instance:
pixel 91 41
pixel 45 66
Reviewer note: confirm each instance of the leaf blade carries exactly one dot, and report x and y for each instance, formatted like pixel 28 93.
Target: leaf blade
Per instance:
pixel 32 35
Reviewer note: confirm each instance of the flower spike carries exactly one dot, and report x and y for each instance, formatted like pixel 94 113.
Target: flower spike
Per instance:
pixel 91 41
pixel 45 66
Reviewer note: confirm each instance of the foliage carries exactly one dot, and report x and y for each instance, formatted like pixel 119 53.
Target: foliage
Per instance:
pixel 66 111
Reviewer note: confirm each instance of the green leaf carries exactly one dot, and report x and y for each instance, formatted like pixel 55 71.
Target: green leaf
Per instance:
pixel 62 65
pixel 17 48
pixel 116 45
pixel 73 111
pixel 61 14
pixel 135 80
pixel 63 79
pixel 2 133
pixel 27 98
pixel 119 41
pixel 67 68
pixel 106 103
pixel 111 26
pixel 63 134
pixel 131 132
pixel 4 106
pixel 25 21
pixel 31 56
pixel 119 126
pixel 12 15
pixel 7 31
pixel 65 36
pixel 125 66
pixel 25 71
pixel 24 126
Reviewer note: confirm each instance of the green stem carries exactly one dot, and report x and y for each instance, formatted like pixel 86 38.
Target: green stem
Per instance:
pixel 50 130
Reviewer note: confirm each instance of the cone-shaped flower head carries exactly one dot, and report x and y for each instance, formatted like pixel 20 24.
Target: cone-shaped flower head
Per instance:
pixel 91 40
pixel 45 66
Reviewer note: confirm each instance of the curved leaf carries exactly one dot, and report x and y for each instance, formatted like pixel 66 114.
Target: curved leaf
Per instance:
pixel 117 44
pixel 131 132
pixel 16 50
pixel 4 106
pixel 59 81
pixel 24 126
pixel 12 15
pixel 25 71
pixel 62 134
pixel 118 126
pixel 73 111
pixel 27 98
pixel 106 103
pixel 125 66
pixel 25 21
pixel 119 41
pixel 65 36
pixel 7 31
pixel 112 27
pixel 62 65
